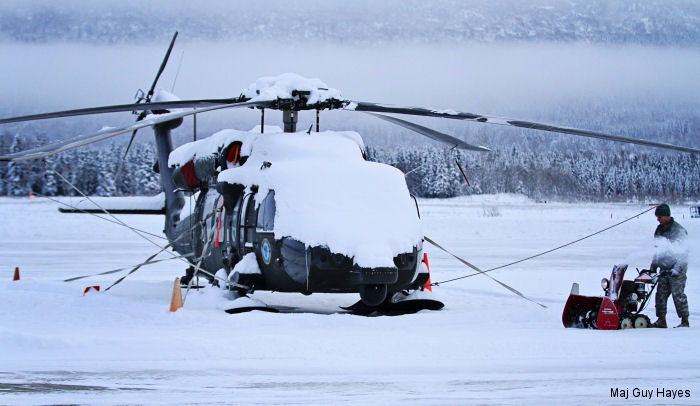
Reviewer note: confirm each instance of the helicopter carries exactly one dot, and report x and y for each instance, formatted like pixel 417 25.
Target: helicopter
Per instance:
pixel 285 210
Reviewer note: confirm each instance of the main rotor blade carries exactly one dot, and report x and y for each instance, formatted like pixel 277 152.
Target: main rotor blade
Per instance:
pixel 126 152
pixel 414 111
pixel 430 133
pixel 141 116
pixel 593 134
pixel 132 107
pixel 131 141
pixel 150 94
pixel 162 68
pixel 63 145
pixel 457 115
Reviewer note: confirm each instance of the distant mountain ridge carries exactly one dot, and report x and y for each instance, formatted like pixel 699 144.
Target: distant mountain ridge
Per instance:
pixel 651 22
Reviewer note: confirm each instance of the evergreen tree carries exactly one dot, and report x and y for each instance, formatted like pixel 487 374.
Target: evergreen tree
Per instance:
pixel 17 184
pixel 5 142
pixel 105 174
pixel 50 187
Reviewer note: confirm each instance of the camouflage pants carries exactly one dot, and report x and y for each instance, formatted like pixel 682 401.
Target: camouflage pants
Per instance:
pixel 671 285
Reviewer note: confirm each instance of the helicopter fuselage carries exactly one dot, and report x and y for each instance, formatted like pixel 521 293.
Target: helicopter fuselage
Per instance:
pixel 316 215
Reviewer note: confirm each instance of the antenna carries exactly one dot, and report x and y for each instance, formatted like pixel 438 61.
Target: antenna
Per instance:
pixel 177 73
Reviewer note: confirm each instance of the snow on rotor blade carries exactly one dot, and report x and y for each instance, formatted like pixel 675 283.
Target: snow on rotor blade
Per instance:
pixel 430 133
pixel 414 111
pixel 205 103
pixel 457 115
pixel 107 132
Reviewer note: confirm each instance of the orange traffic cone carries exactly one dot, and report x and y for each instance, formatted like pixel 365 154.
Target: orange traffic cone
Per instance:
pixel 90 288
pixel 427 284
pixel 16 277
pixel 176 301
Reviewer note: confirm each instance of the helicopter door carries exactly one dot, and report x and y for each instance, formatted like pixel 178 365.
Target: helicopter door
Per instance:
pixel 230 227
pixel 240 225
pixel 246 224
pixel 209 211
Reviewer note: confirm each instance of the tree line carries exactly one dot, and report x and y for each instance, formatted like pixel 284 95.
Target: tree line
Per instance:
pixel 93 171
pixel 433 172
pixel 588 175
pixel 547 174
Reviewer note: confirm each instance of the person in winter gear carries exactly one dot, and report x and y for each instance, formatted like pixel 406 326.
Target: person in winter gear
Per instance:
pixel 671 261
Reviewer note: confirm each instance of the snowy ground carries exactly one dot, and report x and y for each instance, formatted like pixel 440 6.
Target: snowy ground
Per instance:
pixel 487 346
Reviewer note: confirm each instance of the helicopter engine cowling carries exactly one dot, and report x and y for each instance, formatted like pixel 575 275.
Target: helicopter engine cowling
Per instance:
pixel 195 173
pixel 202 170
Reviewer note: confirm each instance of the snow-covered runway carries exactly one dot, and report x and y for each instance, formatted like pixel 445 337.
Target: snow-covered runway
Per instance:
pixel 487 346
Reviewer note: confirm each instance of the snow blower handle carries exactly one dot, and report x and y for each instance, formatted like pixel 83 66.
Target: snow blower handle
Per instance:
pixel 651 273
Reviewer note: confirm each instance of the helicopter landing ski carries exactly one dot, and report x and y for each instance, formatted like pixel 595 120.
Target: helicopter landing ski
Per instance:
pixel 399 308
pixel 400 303
pixel 245 304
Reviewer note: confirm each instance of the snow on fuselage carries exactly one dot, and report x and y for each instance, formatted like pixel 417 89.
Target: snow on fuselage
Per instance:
pixel 326 194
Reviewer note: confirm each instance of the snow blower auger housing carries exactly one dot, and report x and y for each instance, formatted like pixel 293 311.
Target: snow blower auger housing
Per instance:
pixel 619 308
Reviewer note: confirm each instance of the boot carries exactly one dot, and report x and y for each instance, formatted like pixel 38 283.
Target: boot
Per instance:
pixel 660 322
pixel 684 322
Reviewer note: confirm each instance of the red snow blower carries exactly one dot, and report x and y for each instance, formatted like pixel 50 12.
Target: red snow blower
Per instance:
pixel 621 306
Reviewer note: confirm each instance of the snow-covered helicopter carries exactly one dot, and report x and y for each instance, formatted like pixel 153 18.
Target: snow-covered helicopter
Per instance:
pixel 285 210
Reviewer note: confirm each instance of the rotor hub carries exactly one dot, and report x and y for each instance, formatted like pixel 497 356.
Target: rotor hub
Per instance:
pixel 293 92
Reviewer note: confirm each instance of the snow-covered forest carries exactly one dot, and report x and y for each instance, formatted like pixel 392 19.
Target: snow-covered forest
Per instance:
pixel 431 172
pixel 91 170
pixel 542 175
pixel 655 22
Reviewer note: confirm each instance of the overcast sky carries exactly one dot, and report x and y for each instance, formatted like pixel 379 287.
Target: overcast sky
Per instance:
pixel 519 79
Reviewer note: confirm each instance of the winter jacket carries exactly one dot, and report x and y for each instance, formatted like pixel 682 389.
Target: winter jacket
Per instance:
pixel 671 249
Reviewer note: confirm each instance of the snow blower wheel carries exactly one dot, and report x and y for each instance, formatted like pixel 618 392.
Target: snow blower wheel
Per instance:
pixel 641 321
pixel 626 322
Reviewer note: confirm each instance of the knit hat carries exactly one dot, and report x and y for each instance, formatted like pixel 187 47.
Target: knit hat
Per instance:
pixel 663 210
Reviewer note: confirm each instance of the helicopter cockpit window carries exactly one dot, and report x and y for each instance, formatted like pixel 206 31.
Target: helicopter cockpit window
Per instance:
pixel 266 213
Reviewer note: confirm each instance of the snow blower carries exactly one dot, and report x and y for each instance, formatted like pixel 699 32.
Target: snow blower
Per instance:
pixel 619 308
